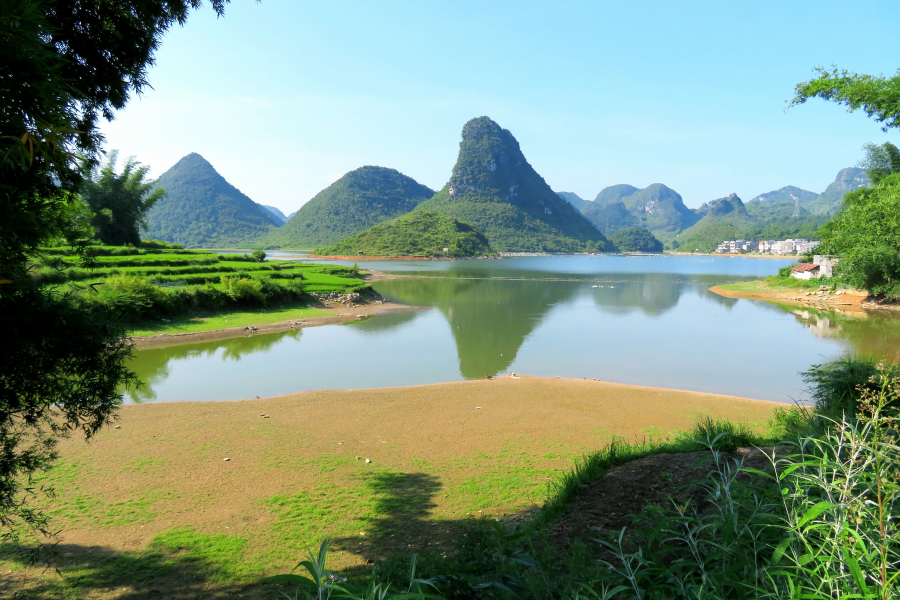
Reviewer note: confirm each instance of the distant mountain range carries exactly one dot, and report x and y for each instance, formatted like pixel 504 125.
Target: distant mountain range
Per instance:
pixel 201 209
pixel 786 212
pixel 280 218
pixel 493 188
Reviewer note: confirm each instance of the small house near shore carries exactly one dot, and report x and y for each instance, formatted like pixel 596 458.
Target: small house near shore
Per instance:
pixel 821 266
pixel 806 271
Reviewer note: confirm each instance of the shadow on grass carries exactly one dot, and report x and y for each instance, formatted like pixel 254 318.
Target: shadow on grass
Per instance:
pixel 98 572
pixel 401 525
pixel 183 564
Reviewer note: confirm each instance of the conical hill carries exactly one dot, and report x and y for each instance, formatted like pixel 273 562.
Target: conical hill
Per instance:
pixel 358 200
pixel 493 188
pixel 201 209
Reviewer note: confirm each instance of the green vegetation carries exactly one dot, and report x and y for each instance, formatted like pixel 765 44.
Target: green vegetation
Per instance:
pixel 813 521
pixel 789 212
pixel 494 189
pixel 636 239
pixel 725 216
pixel 419 233
pixel 142 286
pixel 707 238
pixel 120 202
pixel 865 233
pixel 610 218
pixel 876 95
pixel 202 210
pixel 866 236
pixel 203 321
pixel 358 200
pixel 829 201
pixel 66 68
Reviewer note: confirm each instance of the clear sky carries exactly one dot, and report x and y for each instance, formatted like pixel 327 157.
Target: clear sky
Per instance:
pixel 283 97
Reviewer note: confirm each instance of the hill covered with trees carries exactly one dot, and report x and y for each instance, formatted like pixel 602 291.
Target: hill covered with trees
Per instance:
pixel 202 210
pixel 493 188
pixel 636 239
pixel 418 233
pixel 358 200
pixel 783 213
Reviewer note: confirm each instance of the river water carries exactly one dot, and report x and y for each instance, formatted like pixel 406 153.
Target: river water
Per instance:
pixel 640 320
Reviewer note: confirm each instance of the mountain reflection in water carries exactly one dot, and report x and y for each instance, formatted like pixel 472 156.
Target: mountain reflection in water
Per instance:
pixel 610 319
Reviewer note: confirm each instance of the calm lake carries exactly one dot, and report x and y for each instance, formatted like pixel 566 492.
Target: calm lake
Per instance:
pixel 641 320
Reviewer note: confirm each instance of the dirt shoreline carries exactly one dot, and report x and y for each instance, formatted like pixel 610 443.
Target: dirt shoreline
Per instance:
pixel 855 301
pixel 347 313
pixel 732 255
pixel 378 471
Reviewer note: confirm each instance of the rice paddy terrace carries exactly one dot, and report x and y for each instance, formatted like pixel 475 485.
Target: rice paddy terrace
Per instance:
pixel 150 284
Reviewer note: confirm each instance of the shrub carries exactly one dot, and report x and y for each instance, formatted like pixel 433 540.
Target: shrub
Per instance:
pixel 258 255
pixel 160 244
pixel 837 386
pixel 243 290
pixel 130 296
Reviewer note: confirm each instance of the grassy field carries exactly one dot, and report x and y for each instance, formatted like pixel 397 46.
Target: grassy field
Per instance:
pixel 208 322
pixel 776 285
pixel 154 505
pixel 174 290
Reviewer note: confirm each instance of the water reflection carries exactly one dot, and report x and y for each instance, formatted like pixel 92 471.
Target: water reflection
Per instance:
pixel 866 332
pixel 489 318
pixel 152 366
pixel 662 327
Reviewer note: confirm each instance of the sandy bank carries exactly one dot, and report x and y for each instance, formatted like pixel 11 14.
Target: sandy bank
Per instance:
pixel 847 300
pixel 343 314
pixel 296 472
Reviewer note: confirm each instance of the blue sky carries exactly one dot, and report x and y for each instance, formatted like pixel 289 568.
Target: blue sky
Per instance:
pixel 284 97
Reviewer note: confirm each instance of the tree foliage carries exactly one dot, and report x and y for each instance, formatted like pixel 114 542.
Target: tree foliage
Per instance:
pixel 419 233
pixel 865 233
pixel 866 236
pixel 881 161
pixel 877 95
pixel 120 201
pixel 66 65
pixel 636 239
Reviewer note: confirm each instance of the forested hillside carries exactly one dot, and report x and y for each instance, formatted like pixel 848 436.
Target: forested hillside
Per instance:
pixel 493 188
pixel 361 198
pixel 784 213
pixel 418 233
pixel 202 210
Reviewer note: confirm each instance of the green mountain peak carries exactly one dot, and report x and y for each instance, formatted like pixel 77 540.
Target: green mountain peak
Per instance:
pixel 360 199
pixel 494 188
pixel 201 209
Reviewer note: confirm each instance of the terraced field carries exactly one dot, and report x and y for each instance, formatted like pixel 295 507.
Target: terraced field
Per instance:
pixel 145 285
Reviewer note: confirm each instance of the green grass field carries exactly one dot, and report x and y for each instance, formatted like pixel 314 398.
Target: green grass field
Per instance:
pixel 178 291
pixel 775 285
pixel 212 321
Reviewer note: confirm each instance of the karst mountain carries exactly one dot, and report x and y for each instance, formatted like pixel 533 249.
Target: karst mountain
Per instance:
pixel 360 199
pixel 201 209
pixel 495 189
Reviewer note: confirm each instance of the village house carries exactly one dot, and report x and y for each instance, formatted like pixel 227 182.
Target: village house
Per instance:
pixel 821 266
pixel 789 246
pixel 806 271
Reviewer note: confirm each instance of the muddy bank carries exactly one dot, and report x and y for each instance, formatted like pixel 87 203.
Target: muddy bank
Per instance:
pixel 344 313
pixel 846 300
